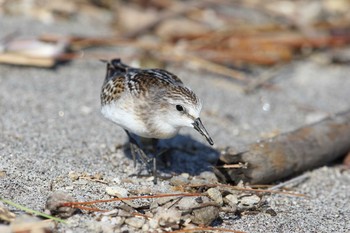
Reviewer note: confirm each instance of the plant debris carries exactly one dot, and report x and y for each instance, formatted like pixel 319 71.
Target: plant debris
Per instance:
pixel 221 37
pixel 6 215
pixel 197 206
pixel 290 153
pixel 31 52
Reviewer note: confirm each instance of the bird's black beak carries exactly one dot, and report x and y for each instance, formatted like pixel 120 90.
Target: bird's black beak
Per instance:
pixel 198 125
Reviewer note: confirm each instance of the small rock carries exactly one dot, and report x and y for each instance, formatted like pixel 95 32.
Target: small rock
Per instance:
pixel 166 218
pixel 271 212
pixel 209 176
pixel 215 195
pixel 198 181
pixel 54 204
pixel 179 180
pixel 117 191
pixel 149 179
pixel 27 223
pixel 135 222
pixel 185 175
pixel 118 221
pixel 231 199
pixel 145 228
pixel 153 223
pixel 120 192
pixel 2 173
pixel 164 200
pixel 117 180
pixel 205 216
pixel 73 175
pixel 248 202
pixel 5 214
pixel 188 203
pixel 114 212
pixel 105 219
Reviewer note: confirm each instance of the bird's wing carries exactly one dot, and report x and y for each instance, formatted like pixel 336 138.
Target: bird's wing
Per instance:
pixel 164 76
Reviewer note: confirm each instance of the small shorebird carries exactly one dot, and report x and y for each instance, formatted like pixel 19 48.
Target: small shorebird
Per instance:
pixel 150 103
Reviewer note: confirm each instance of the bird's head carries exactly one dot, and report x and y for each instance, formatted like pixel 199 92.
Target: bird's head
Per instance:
pixel 182 109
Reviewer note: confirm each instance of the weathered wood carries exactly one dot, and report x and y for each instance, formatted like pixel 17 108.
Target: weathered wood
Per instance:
pixel 20 59
pixel 290 153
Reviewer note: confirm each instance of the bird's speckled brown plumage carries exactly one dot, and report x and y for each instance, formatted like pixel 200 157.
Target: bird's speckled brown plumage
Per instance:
pixel 121 79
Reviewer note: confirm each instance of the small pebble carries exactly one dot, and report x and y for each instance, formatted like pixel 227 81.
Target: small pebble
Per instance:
pixel 145 228
pixel 209 176
pixel 231 199
pixel 117 180
pixel 185 175
pixel 164 200
pixel 188 203
pixel 120 192
pixel 28 223
pixel 135 222
pixel 117 221
pixel 248 202
pixel 105 219
pixel 198 181
pixel 54 204
pixel 5 214
pixel 205 216
pixel 215 195
pixel 179 180
pixel 117 191
pixel 271 212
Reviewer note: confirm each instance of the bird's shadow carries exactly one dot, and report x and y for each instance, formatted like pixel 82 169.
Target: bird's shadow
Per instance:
pixel 183 154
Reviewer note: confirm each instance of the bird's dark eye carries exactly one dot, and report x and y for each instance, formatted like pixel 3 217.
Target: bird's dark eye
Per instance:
pixel 179 108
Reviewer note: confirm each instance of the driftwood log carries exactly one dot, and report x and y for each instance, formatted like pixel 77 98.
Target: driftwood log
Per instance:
pixel 290 153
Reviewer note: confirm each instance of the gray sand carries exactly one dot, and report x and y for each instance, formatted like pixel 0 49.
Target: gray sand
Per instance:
pixel 50 126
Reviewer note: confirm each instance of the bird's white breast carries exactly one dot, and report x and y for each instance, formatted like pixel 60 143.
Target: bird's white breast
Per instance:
pixel 125 117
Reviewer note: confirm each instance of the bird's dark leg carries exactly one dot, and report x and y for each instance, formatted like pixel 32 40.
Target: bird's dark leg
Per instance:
pixel 149 161
pixel 156 152
pixel 135 149
pixel 154 159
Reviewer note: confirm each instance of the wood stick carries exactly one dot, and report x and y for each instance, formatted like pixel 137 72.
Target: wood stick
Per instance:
pixel 290 153
pixel 19 59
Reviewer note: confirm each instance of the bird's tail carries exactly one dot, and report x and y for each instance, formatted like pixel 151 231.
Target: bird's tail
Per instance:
pixel 115 67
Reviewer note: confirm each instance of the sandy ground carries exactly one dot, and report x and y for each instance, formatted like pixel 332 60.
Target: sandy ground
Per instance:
pixel 51 125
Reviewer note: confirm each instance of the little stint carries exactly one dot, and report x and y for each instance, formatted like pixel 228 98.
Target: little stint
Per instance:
pixel 150 103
